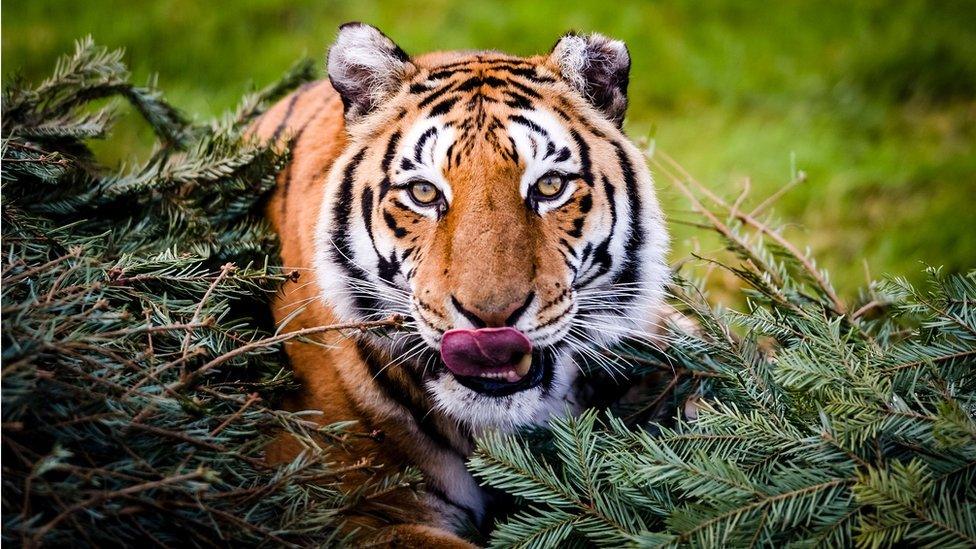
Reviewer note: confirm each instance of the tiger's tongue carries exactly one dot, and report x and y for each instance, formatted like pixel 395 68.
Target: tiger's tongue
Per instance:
pixel 503 353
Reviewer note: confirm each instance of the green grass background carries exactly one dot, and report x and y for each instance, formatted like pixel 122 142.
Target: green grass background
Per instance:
pixel 875 101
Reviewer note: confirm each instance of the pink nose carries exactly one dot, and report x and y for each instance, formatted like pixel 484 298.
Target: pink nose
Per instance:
pixel 471 352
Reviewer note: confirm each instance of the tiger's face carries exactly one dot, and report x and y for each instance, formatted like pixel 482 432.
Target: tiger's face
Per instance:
pixel 494 202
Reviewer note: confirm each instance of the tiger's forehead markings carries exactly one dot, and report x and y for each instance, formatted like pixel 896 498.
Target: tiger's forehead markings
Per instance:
pixel 475 97
pixel 478 75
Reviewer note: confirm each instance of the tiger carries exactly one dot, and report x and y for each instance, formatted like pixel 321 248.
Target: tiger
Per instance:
pixel 492 204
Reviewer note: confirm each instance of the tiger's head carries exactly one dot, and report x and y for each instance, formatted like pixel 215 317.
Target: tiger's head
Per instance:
pixel 495 202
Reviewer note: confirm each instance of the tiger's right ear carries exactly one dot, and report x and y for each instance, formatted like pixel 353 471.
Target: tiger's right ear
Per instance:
pixel 366 68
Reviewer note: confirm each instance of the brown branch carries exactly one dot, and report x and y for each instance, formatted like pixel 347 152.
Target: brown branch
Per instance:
pixel 225 271
pixel 748 219
pixel 154 329
pixel 869 306
pixel 257 463
pixel 653 404
pixel 74 253
pixel 717 224
pixel 394 321
pixel 43 530
pixel 250 400
pixel 771 199
pixel 937 359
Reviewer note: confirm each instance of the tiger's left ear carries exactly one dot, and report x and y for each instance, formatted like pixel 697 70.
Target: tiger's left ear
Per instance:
pixel 366 68
pixel 599 68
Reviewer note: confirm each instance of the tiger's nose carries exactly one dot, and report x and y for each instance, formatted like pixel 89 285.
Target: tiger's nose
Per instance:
pixel 494 317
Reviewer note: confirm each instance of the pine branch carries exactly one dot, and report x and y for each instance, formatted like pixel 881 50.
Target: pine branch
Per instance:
pixel 794 405
pixel 119 288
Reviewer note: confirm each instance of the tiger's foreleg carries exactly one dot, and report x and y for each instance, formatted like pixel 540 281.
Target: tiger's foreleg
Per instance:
pixel 415 536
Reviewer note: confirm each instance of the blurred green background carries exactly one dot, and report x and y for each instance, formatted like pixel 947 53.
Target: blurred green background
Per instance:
pixel 874 101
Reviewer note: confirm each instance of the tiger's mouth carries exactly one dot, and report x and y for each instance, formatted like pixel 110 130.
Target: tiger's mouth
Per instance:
pixel 493 361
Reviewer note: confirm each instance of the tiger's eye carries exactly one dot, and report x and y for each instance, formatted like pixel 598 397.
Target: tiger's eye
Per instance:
pixel 549 186
pixel 424 193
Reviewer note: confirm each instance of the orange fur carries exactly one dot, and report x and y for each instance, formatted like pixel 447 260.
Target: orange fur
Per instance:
pixel 316 118
pixel 490 250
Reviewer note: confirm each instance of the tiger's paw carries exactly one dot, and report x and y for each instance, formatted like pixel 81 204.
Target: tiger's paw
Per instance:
pixel 415 536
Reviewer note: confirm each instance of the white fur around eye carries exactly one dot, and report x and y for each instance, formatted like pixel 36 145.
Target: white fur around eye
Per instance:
pixel 552 203
pixel 531 146
pixel 430 167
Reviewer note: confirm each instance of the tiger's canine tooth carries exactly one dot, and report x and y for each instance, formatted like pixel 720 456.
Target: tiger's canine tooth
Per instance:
pixel 524 365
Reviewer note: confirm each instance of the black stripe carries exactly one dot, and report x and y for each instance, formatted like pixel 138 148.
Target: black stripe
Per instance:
pixel 523 121
pixel 513 318
pixel 549 373
pixel 563 114
pixel 436 94
pixel 628 274
pixel 402 396
pixel 401 206
pixel 286 183
pixel 444 73
pixel 564 155
pixel 418 148
pixel 390 151
pixel 387 160
pixel 443 107
pixel 391 222
pixel 586 203
pixel 290 110
pixel 601 253
pixel 569 247
pixel 480 59
pixel 472 318
pixel 586 165
pixel 525 89
pixel 577 230
pixel 476 82
pixel 529 74
pixel 366 209
pixel 386 268
pixel 342 250
pixel 518 101
pixel 514 150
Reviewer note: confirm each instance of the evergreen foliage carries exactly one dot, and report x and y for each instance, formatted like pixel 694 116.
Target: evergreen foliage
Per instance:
pixel 139 377
pixel 800 422
pixel 140 372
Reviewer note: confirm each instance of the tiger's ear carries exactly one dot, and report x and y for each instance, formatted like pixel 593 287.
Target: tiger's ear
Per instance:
pixel 599 68
pixel 365 67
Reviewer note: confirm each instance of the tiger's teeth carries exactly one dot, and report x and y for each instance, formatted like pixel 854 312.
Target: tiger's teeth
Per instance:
pixel 524 365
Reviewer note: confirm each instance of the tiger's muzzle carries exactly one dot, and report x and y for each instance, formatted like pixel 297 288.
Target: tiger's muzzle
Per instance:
pixel 492 361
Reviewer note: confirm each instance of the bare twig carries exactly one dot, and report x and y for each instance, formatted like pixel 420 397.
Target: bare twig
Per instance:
pixel 74 253
pixel 748 219
pixel 393 322
pixel 86 504
pixel 771 199
pixel 225 271
pixel 251 399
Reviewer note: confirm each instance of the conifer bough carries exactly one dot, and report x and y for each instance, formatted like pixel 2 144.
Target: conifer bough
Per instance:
pixel 140 372
pixel 801 421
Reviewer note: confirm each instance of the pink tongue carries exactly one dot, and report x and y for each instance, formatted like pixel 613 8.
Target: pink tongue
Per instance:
pixel 472 352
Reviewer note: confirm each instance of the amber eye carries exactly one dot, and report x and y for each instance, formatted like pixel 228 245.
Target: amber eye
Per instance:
pixel 424 193
pixel 549 186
